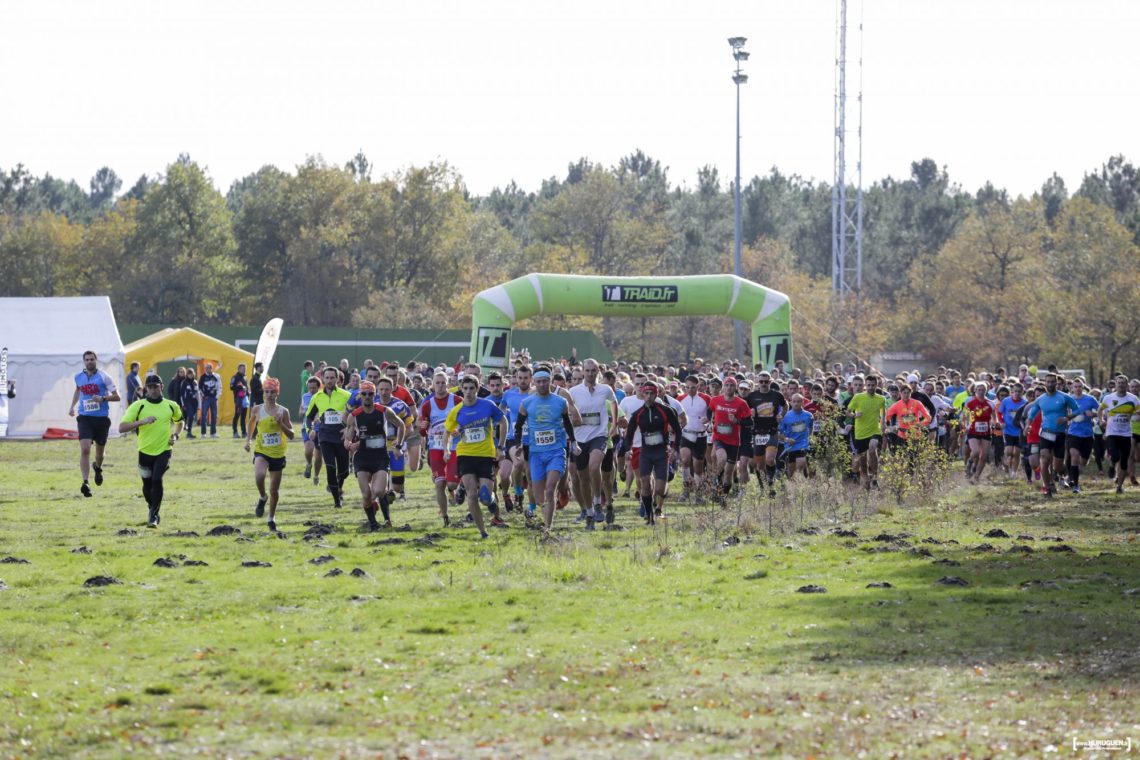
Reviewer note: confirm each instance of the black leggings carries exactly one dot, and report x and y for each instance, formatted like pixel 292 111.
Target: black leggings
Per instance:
pixel 239 415
pixel 335 456
pixel 151 470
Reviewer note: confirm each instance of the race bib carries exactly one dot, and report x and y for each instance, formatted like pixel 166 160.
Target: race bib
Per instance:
pixel 374 442
pixel 724 429
pixel 591 418
pixel 545 437
pixel 91 405
pixel 984 427
pixel 436 441
pixel 332 417
pixel 799 427
pixel 653 439
pixel 1048 436
pixel 761 440
pixel 270 439
pixel 474 434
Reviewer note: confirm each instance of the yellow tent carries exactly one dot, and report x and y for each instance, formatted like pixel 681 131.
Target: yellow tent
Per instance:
pixel 187 344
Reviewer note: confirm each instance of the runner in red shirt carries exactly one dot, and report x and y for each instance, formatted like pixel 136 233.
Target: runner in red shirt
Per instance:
pixel 982 416
pixel 728 410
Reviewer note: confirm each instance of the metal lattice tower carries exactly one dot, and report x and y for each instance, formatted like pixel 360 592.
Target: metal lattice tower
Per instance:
pixel 846 211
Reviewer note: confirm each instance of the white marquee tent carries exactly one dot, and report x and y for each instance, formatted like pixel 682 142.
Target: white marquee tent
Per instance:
pixel 46 338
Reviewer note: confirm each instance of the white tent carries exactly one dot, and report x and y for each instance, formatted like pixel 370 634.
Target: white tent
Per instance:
pixel 46 338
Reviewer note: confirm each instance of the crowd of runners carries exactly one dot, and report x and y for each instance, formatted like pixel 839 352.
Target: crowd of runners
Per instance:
pixel 540 434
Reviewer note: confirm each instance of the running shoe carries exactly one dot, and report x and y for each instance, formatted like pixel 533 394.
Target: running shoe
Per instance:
pixel 581 516
pixel 272 526
pixel 98 474
pixel 498 522
pixel 152 519
pixel 460 495
pixel 308 471
pixel 85 489
pixel 485 497
pixel 259 511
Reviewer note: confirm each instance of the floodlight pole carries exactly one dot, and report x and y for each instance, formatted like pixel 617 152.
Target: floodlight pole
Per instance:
pixel 738 78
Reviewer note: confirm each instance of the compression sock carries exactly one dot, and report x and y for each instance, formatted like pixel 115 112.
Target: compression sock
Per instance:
pixel 384 508
pixel 771 473
pixel 1074 475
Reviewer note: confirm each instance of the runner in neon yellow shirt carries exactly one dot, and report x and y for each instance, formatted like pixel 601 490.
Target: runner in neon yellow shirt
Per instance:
pixel 158 421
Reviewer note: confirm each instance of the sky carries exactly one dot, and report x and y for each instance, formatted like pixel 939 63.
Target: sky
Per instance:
pixel 1007 91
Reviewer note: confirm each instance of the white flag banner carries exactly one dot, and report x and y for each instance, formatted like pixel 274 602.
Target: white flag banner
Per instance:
pixel 267 343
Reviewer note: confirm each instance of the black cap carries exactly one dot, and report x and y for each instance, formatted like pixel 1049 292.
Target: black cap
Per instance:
pixel 153 380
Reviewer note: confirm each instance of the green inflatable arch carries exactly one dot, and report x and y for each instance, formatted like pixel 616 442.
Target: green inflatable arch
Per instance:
pixel 494 311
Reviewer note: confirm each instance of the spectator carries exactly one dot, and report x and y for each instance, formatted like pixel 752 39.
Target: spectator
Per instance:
pixel 174 387
pixel 240 390
pixel 209 386
pixel 256 395
pixel 189 400
pixel 134 384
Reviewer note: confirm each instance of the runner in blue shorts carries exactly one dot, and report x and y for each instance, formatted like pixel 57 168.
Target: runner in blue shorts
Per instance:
pixel 543 413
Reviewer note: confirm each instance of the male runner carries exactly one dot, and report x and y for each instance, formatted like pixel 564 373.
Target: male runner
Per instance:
pixel 1011 432
pixel 546 416
pixel 330 407
pixel 795 430
pixel 1079 437
pixel 94 388
pixel 768 407
pixel 597 407
pixel 1056 409
pixel 366 434
pixel 653 420
pixel 473 424
pixel 269 426
pixel 694 438
pixel 866 408
pixel 433 413
pixel 1116 410
pixel 159 421
pixel 728 413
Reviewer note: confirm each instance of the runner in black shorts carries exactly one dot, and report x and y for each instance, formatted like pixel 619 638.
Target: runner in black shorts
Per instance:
pixel 365 434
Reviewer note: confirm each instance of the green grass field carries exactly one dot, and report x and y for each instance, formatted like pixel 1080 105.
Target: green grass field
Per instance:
pixel 687 640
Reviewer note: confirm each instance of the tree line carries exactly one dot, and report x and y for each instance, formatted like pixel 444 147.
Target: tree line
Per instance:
pixel 968 279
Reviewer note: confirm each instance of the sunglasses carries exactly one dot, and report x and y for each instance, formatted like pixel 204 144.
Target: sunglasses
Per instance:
pixel 366 394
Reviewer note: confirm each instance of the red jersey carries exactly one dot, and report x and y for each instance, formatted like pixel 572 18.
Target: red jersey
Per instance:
pixel 727 416
pixel 1033 434
pixel 404 395
pixel 982 416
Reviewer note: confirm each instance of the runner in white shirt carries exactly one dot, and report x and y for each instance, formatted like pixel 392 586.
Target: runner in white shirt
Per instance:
pixel 1116 410
pixel 597 406
pixel 694 437
pixel 630 404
